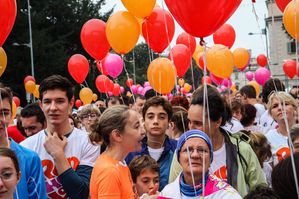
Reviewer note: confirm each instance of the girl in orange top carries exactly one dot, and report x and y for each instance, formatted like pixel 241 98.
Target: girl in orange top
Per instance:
pixel 120 129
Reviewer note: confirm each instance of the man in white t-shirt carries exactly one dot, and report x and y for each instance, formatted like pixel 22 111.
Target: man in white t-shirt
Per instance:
pixel 66 153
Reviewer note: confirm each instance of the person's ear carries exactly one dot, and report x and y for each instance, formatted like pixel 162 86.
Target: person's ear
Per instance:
pixel 19 176
pixel 218 122
pixel 171 125
pixel 116 136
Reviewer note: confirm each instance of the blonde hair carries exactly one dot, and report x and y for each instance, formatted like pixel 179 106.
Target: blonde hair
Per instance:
pixel 114 117
pixel 283 97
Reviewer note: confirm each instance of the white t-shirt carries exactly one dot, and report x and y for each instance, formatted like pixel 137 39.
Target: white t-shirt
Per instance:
pixel 155 153
pixel 260 109
pixel 218 166
pixel 279 146
pixel 79 151
pixel 267 122
pixel 233 126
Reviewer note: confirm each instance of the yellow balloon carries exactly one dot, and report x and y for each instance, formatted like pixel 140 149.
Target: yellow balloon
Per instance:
pixel 140 8
pixel 30 86
pixel 241 58
pixel 289 19
pixel 122 31
pixel 181 81
pixel 13 110
pixel 161 75
pixel 220 61
pixel 85 95
pixel 187 87
pixel 36 92
pixel 94 97
pixel 197 53
pixel 256 86
pixel 3 61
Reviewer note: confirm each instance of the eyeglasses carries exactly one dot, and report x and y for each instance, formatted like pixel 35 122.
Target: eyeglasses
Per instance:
pixel 199 150
pixel 7 176
pixel 91 116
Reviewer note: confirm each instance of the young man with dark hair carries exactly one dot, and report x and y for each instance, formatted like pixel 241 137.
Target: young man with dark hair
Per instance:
pixel 66 153
pixel 249 96
pixel 32 183
pixel 156 113
pixel 33 119
pixel 136 102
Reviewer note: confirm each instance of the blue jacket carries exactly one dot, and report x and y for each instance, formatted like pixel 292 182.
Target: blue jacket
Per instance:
pixel 32 182
pixel 164 161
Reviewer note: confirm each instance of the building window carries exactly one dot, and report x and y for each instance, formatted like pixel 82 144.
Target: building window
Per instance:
pixel 292 47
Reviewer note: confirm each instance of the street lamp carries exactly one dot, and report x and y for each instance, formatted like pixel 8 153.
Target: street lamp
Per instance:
pixel 264 32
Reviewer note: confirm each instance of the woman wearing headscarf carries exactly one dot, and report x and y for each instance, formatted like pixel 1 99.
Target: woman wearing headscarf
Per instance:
pixel 195 154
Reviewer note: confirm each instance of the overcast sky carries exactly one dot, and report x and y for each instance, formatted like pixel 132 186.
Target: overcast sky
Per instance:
pixel 243 20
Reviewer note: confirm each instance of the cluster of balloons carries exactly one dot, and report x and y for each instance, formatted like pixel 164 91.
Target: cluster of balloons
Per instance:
pixel 31 87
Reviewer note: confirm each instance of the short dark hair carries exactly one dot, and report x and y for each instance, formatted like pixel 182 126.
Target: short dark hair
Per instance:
pixel 180 101
pixel 262 192
pixel 6 152
pixel 33 110
pixel 249 91
pixel 138 164
pixel 249 115
pixel 294 132
pixel 6 93
pixel 112 98
pixel 273 84
pixel 57 82
pixel 150 93
pixel 283 181
pixel 216 105
pixel 158 101
pixel 134 98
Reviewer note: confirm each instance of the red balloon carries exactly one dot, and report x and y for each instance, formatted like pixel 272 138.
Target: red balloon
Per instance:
pixel 207 78
pixel 225 35
pixel 282 4
pixel 154 29
pixel 78 67
pixel 110 86
pixel 187 40
pixel 29 78
pixel 215 79
pixel 201 63
pixel 116 90
pixel 101 68
pixel 201 18
pixel 78 103
pixel 94 40
pixel 289 68
pixel 181 58
pixel 129 83
pixel 8 13
pixel 102 83
pixel 16 100
pixel 262 60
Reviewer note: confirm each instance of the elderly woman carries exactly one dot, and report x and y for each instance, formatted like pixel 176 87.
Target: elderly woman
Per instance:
pixel 282 108
pixel 88 116
pixel 195 154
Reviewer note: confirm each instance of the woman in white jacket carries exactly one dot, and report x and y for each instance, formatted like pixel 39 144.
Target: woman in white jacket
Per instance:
pixel 195 154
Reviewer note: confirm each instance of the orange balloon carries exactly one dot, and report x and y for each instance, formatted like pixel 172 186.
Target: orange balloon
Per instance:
pixel 13 110
pixel 161 75
pixel 122 31
pixel 289 19
pixel 36 92
pixel 241 58
pixel 256 86
pixel 86 95
pixel 197 53
pixel 181 81
pixel 187 87
pixel 220 61
pixel 94 97
pixel 30 86
pixel 139 8
pixel 3 61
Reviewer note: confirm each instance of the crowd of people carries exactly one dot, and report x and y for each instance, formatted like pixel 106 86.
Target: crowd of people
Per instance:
pixel 210 145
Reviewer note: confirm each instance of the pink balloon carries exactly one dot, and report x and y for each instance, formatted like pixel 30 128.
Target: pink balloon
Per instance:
pixel 139 90
pixel 146 84
pixel 262 75
pixel 134 89
pixel 122 90
pixel 110 94
pixel 216 80
pixel 170 96
pixel 189 94
pixel 249 75
pixel 113 64
pixel 145 90
pixel 183 90
pixel 227 83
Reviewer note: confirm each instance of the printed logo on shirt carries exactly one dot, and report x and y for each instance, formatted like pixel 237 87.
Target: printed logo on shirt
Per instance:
pixel 283 153
pixel 53 185
pixel 221 173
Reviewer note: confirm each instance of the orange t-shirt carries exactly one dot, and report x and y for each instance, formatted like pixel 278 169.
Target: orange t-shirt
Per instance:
pixel 111 179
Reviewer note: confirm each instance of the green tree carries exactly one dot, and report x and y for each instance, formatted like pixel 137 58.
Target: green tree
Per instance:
pixel 56 27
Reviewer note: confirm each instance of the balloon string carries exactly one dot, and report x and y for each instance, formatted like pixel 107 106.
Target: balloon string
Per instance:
pixel 127 74
pixel 86 83
pixel 134 66
pixel 121 97
pixel 192 72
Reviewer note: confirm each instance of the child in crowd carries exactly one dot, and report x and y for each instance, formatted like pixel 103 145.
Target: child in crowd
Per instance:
pixel 145 174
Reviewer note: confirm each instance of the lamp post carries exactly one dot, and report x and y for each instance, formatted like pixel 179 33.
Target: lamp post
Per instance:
pixel 264 32
pixel 30 38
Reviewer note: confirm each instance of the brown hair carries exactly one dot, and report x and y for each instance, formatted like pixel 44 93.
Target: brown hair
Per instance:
pixel 6 93
pixel 138 164
pixel 6 152
pixel 180 101
pixel 158 101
